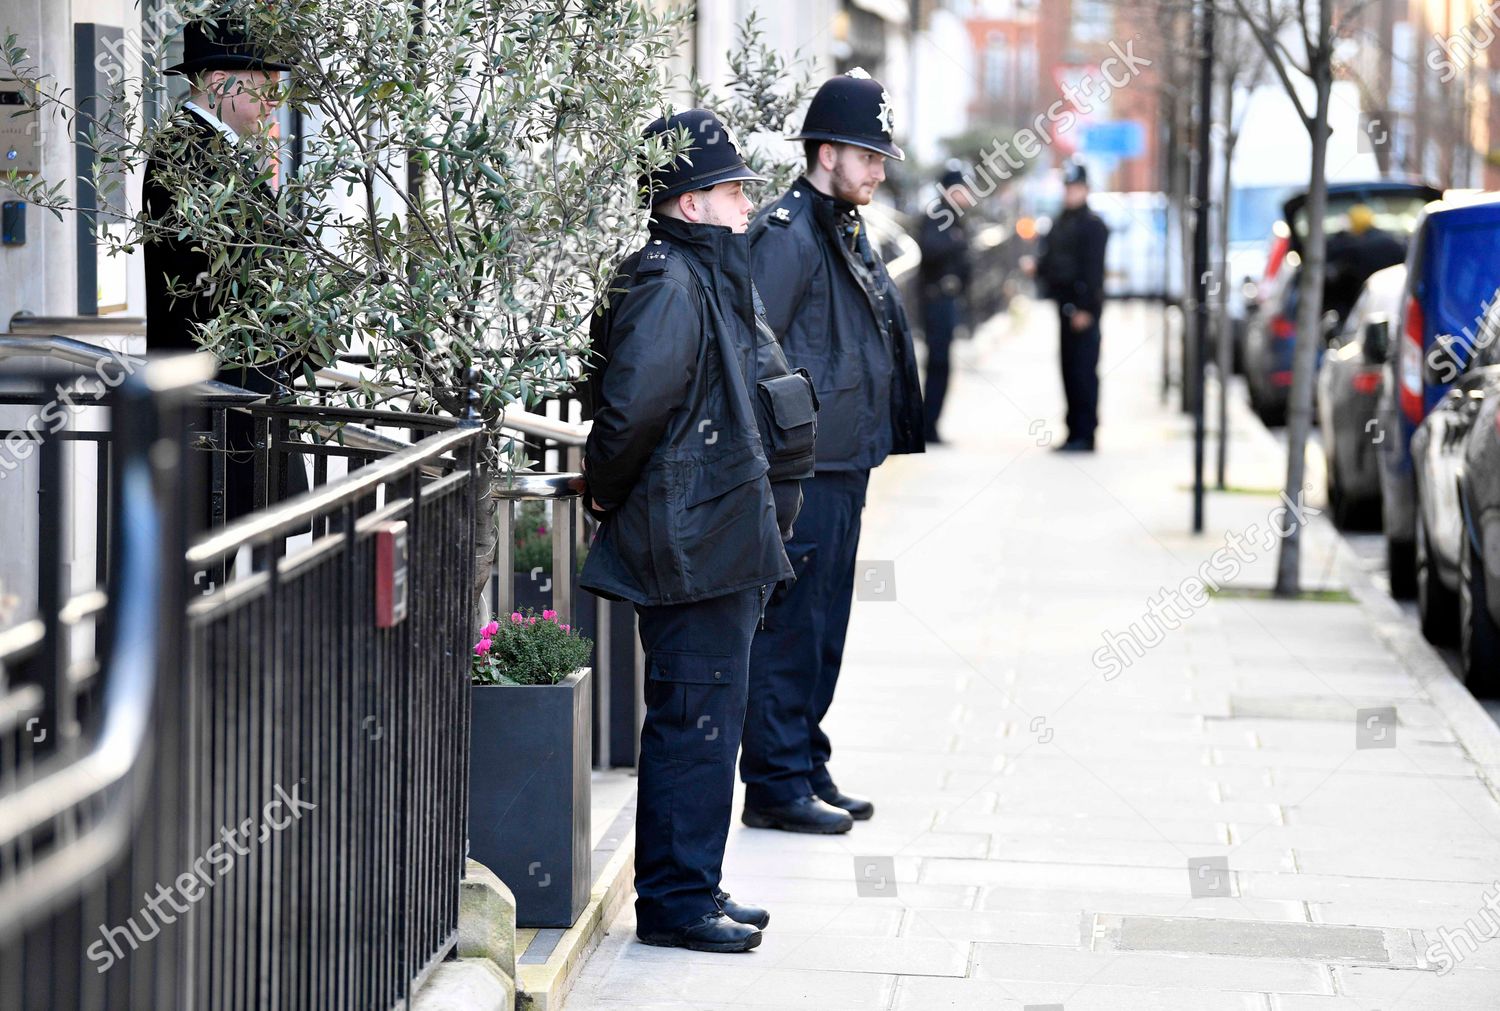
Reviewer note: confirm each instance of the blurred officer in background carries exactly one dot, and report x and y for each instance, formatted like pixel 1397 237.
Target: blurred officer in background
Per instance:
pixel 1353 255
pixel 1071 271
pixel 677 472
pixel 830 300
pixel 944 276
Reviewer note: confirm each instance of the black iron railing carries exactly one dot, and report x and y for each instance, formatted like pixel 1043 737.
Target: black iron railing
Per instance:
pixel 91 749
pixel 301 788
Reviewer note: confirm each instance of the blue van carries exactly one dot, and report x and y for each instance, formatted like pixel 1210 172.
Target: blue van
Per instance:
pixel 1452 272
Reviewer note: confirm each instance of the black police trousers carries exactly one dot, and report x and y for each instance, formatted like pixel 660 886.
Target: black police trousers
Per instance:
pixel 697 666
pixel 795 660
pixel 939 319
pixel 1080 375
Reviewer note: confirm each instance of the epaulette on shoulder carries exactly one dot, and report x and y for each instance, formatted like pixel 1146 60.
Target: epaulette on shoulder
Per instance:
pixel 788 208
pixel 655 258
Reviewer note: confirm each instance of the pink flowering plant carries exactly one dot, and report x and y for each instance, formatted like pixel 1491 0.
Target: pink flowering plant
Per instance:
pixel 527 648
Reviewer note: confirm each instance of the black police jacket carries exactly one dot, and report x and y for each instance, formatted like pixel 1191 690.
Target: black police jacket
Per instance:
pixel 172 324
pixel 946 260
pixel 1071 265
pixel 840 318
pixel 674 462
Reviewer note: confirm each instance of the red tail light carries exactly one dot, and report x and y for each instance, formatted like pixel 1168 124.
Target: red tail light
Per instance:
pixel 1409 363
pixel 1282 328
pixel 1280 245
pixel 1365 382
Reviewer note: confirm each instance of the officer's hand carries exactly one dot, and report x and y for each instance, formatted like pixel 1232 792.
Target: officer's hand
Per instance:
pixel 1082 319
pixel 1028 265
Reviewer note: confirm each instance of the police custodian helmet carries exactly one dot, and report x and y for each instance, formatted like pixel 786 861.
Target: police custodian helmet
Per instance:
pixel 852 108
pixel 713 157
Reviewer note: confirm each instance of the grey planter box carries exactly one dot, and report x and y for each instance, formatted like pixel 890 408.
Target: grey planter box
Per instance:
pixel 529 762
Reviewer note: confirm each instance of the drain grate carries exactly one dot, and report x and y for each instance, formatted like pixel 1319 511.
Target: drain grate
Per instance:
pixel 1318 942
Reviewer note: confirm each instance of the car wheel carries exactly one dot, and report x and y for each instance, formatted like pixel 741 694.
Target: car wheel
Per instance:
pixel 1343 514
pixel 1401 566
pixel 1435 603
pixel 1478 635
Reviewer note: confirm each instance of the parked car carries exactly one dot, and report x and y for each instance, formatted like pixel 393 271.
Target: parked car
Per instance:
pixel 1254 214
pixel 1479 501
pixel 1348 386
pixel 1270 337
pixel 1438 452
pixel 1453 266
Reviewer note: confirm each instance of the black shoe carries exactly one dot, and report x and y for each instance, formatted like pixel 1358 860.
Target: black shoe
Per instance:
pixel 1075 446
pixel 933 439
pixel 859 808
pixel 713 932
pixel 805 814
pixel 741 913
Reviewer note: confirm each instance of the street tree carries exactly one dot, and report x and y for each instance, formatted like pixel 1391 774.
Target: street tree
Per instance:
pixel 1298 39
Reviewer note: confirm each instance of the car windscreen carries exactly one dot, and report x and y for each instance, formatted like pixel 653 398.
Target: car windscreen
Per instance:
pixel 1253 211
pixel 1394 212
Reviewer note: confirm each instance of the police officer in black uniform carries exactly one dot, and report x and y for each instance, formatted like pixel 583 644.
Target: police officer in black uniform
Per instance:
pixel 676 469
pixel 944 274
pixel 830 300
pixel 1071 269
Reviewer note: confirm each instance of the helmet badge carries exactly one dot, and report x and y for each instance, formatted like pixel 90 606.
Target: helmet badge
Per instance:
pixel 887 113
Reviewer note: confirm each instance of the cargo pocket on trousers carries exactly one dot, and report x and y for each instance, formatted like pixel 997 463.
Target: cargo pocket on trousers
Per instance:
pixel 696 692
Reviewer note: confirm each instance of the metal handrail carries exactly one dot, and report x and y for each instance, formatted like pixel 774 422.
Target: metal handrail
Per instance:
pixel 263 526
pixel 78 326
pixel 524 484
pixel 75 352
pixel 525 422
pixel 130 687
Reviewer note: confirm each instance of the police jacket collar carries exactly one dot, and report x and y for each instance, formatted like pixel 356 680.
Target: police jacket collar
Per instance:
pixel 723 251
pixel 839 204
pixel 709 242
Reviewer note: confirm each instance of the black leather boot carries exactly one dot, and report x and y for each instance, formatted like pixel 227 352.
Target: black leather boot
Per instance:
pixel 739 912
pixel 859 808
pixel 713 932
pixel 805 814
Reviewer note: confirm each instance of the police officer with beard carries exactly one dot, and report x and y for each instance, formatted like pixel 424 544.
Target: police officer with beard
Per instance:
pixel 838 315
pixel 676 468
pixel 1071 268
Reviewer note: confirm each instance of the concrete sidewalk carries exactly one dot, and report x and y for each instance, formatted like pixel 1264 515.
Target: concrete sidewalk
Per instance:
pixel 1093 797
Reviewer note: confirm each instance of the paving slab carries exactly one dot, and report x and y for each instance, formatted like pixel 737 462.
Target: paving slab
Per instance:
pixel 1213 826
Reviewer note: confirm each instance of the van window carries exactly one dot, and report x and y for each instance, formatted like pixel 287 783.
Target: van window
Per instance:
pixel 1464 275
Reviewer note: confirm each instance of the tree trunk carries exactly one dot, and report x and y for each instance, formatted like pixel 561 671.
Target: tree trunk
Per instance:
pixel 484 543
pixel 1309 322
pixel 1220 308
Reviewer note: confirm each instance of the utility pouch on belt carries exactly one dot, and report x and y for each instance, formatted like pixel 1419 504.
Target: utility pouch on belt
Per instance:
pixel 788 409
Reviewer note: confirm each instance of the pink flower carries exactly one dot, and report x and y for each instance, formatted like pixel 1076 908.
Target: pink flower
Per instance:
pixel 549 615
pixel 541 528
pixel 531 620
pixel 489 629
pixel 565 628
pixel 481 647
pixel 515 618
